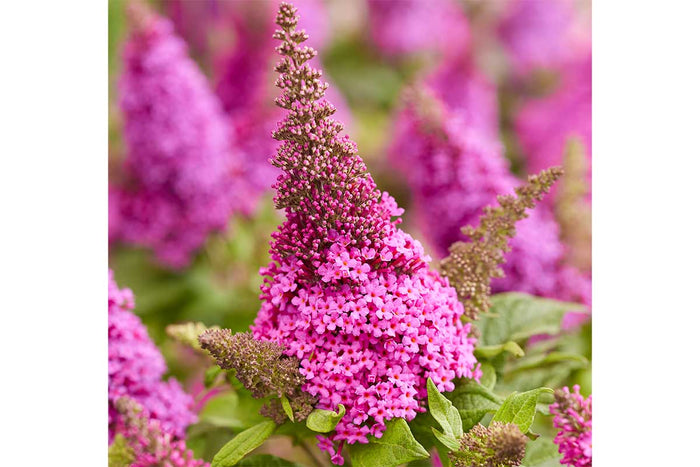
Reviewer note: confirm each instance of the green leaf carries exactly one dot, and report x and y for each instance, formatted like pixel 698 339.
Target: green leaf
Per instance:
pixel 323 421
pixel 473 401
pixel 444 412
pixel 266 460
pixel 517 316
pixel 541 453
pixel 242 444
pixel 396 446
pixel 519 408
pixel 210 375
pixel 236 411
pixel 286 407
pixel 488 376
pixel 552 369
pixel 449 441
pixel 491 351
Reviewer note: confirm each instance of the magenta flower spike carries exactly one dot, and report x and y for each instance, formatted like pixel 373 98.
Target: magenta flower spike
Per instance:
pixel 573 417
pixel 183 178
pixel 347 292
pixel 136 369
pixel 456 170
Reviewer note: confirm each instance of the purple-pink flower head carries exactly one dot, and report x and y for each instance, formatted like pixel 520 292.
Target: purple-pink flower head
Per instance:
pixel 145 443
pixel 416 26
pixel 347 292
pixel 544 125
pixel 536 33
pixel 183 178
pixel 136 369
pixel 573 417
pixel 454 171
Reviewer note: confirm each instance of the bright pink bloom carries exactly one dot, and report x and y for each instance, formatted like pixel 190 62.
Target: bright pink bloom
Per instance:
pixel 338 223
pixel 136 369
pixel 573 417
pixel 184 179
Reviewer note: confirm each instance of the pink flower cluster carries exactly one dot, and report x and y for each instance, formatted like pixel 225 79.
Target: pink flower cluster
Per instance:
pixel 369 331
pixel 456 170
pixel 151 445
pixel 183 177
pixel 414 26
pixel 136 368
pixel 347 292
pixel 573 417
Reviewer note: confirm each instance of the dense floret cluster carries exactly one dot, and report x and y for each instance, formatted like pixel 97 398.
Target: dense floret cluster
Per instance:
pixel 136 368
pixel 348 293
pixel 182 176
pixel 573 417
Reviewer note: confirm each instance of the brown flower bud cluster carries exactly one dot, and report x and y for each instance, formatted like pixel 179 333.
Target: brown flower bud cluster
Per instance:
pixel 471 265
pixel 499 445
pixel 262 368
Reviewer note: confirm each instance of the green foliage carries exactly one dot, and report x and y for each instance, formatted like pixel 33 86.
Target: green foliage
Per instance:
pixel 242 444
pixel 287 408
pixel 491 351
pixel 396 446
pixel 234 410
pixel 324 421
pixel 520 408
pixel 563 360
pixel 473 401
pixel 210 375
pixel 488 376
pixel 446 415
pixel 119 453
pixel 266 460
pixel 449 441
pixel 517 316
pixel 541 453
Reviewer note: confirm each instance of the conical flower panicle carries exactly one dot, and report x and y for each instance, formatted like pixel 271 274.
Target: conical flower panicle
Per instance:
pixel 262 369
pixel 348 293
pixel 471 265
pixel 183 178
pixel 325 186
